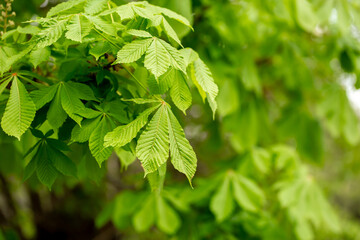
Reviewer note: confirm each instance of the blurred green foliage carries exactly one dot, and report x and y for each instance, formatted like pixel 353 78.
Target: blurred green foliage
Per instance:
pixel 280 160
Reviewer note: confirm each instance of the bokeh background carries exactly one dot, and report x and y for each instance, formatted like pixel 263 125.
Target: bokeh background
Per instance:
pixel 287 129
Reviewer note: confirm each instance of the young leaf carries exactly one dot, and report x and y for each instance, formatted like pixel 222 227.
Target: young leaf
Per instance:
pixel 4 84
pixel 176 59
pixel 99 49
pixel 167 219
pixel 95 6
pixel 45 171
pixel 170 31
pixel 50 34
pixel 83 133
pixel 141 100
pixel 180 92
pixel 124 134
pixel 133 51
pixel 222 203
pixel 39 55
pixel 56 114
pixel 153 145
pixel 145 217
pixel 139 33
pixel 72 6
pixel 44 95
pixel 102 25
pixel 78 28
pixel 61 162
pixel 247 193
pixel 96 141
pixel 157 59
pixel 20 110
pixel 204 78
pixel 182 154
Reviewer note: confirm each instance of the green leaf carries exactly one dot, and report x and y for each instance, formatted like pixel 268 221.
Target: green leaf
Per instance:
pixel 126 157
pixel 39 55
pixel 153 145
pixel 125 12
pixel 157 59
pixel 176 59
pixel 305 15
pixel 103 25
pixel 82 134
pixel 20 110
pixel 7 60
pixel 78 28
pixel 173 15
pixel 83 91
pixel 124 134
pixel 133 51
pixel 50 34
pixel 95 6
pixel 180 92
pixel 167 219
pixel 70 102
pixel 161 85
pixel 204 78
pixel 182 154
pixel 170 31
pixel 145 217
pixel 61 162
pixel 189 55
pixel 139 33
pixel 99 49
pixel 44 95
pixel 141 100
pixel 96 141
pixel 45 171
pixel 4 84
pixel 72 6
pixel 56 114
pixel 247 194
pixel 222 204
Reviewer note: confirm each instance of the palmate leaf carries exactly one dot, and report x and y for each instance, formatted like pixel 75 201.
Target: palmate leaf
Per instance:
pixel 96 141
pixel 124 134
pixel 180 92
pixel 157 59
pixel 182 154
pixel 78 28
pixel 133 51
pixel 19 112
pixel 153 145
